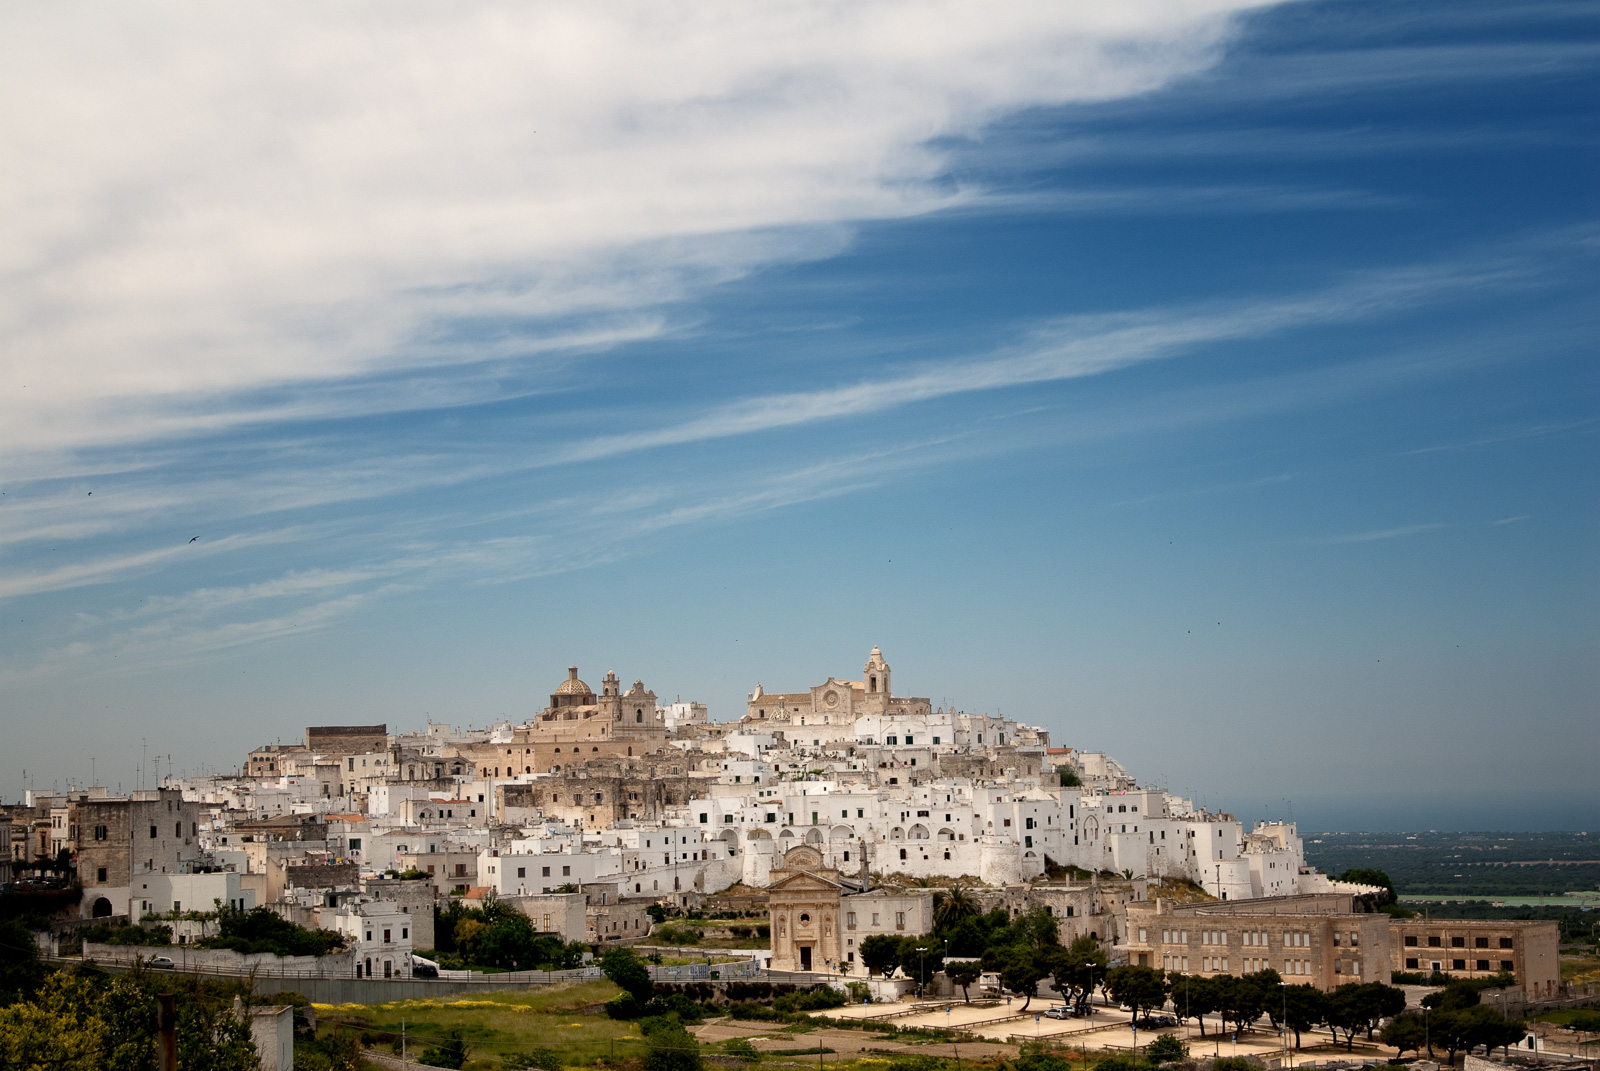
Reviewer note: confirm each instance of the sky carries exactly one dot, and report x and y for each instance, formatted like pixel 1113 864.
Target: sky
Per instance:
pixel 1210 382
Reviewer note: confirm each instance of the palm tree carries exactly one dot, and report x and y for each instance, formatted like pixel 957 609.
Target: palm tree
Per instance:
pixel 955 904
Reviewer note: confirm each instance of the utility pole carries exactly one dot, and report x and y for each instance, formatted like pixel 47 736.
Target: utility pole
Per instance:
pixel 168 1024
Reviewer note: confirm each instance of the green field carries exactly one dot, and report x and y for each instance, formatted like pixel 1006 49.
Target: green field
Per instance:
pixel 1488 866
pixel 499 1023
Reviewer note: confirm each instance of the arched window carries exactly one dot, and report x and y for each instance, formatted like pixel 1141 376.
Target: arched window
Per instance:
pixel 638 716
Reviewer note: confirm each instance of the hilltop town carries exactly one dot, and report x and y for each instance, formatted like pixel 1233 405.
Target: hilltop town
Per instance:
pixel 838 807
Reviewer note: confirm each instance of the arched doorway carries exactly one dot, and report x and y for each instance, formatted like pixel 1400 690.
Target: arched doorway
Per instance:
pixel 101 909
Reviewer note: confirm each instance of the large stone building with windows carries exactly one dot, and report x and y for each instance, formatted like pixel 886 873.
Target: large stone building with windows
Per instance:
pixel 1320 939
pixel 1480 948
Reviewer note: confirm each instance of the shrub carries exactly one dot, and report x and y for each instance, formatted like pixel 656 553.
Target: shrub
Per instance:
pixel 741 1048
pixel 1167 1048
pixel 815 999
pixel 678 935
pixel 452 1053
pixel 1040 1061
pixel 1233 1063
pixel 623 1006
pixel 672 1049
pixel 539 1059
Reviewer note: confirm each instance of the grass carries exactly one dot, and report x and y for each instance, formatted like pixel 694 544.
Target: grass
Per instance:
pixel 1566 1016
pixel 497 1023
pixel 1584 968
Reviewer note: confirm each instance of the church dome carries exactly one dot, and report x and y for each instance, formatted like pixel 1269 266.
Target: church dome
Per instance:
pixel 572 685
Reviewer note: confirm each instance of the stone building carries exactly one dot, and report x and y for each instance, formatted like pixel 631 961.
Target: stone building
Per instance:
pixel 834 702
pixel 601 791
pixel 347 739
pixel 1317 939
pixel 819 917
pixel 149 832
pixel 1479 948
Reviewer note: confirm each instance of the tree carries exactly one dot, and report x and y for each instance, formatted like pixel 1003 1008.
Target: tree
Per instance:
pixel 1306 1007
pixel 881 953
pixel 672 1049
pixel 20 970
pixel 1363 875
pixel 1405 1033
pixel 1455 996
pixel 1139 989
pixel 1467 1028
pixel 1074 969
pixel 924 955
pixel 964 974
pixel 626 971
pixel 83 1020
pixel 264 930
pixel 507 943
pixel 1267 981
pixel 1038 928
pixel 1346 1013
pixel 1166 1049
pixel 1193 995
pixel 1239 1001
pixel 1020 972
pixel 952 906
pixel 1069 777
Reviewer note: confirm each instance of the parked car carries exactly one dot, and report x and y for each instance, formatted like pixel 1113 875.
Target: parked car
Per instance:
pixel 1058 1011
pixel 161 963
pixel 1155 1022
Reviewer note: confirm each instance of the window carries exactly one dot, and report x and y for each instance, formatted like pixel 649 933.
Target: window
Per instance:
pixel 1411 941
pixel 1481 942
pixel 1411 963
pixel 902 853
pixel 1483 965
pixel 1507 965
pixel 100 875
pixel 899 920
pixel 387 939
pixel 1458 942
pixel 850 920
pixel 936 740
pixel 1505 942
pixel 355 844
pixel 100 833
pixel 544 872
pixel 1458 964
pixel 1434 942
pixel 704 818
pixel 566 872
pixel 152 832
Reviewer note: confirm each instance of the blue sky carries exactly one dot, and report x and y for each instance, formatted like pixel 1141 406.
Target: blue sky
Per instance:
pixel 1211 383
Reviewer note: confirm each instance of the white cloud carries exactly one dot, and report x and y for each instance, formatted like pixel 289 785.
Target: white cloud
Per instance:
pixel 200 201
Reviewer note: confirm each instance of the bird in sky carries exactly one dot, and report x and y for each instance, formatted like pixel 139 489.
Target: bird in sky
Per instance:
pixel 193 538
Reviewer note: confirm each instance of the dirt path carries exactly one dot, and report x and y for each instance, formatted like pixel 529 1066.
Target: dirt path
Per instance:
pixel 847 1044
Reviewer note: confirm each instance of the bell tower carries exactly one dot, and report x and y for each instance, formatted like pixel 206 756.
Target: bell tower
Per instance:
pixel 875 679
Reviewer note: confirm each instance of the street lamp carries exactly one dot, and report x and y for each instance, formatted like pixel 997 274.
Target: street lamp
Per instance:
pixel 1283 1024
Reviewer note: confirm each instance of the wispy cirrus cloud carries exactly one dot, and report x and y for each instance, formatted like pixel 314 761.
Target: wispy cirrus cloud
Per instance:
pixel 206 202
pixel 1379 534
